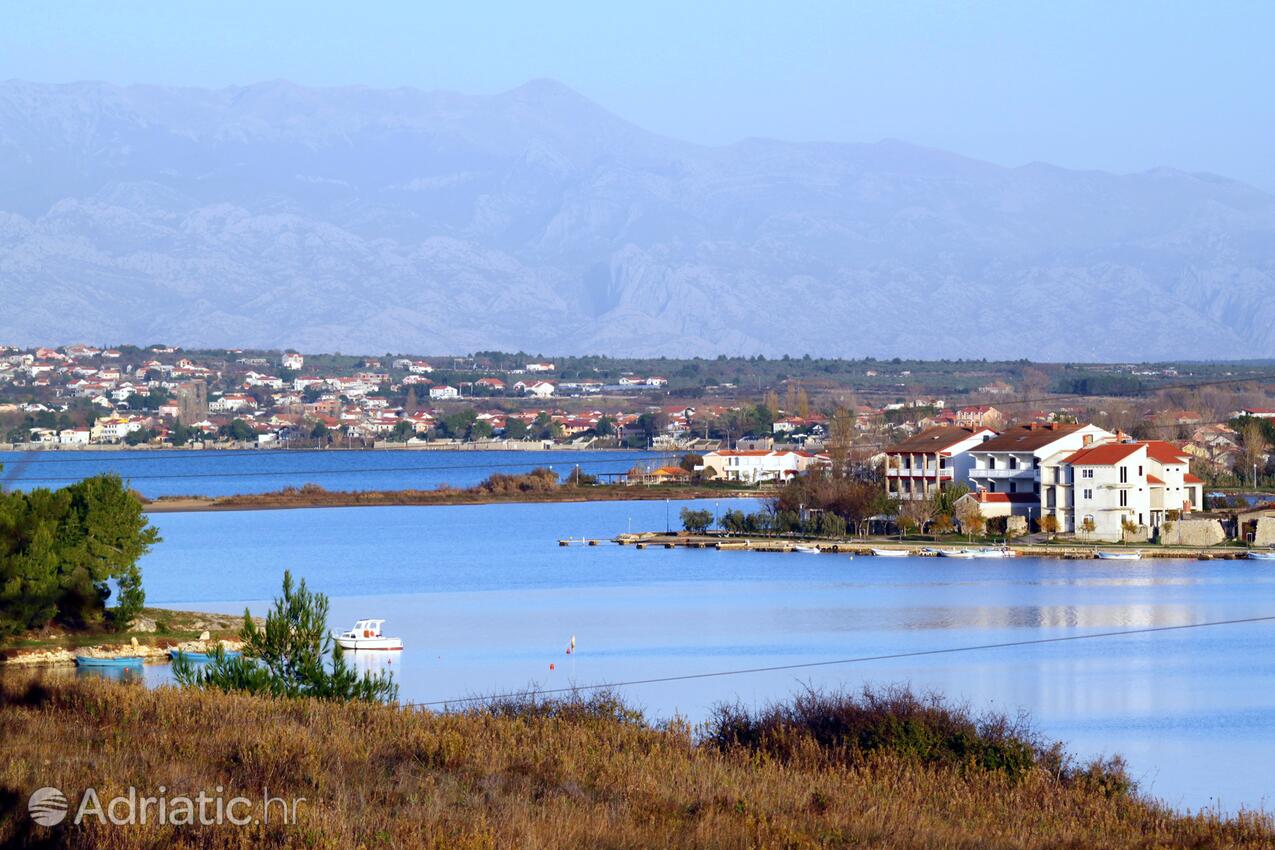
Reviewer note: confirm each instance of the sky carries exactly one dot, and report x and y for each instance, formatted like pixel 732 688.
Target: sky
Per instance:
pixel 1123 86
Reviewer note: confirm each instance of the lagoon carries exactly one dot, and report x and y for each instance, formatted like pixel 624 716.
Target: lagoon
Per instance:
pixel 485 601
pixel 169 472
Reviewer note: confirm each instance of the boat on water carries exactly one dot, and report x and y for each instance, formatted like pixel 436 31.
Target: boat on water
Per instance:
pixel 891 553
pixel 115 662
pixel 954 553
pixel 808 550
pixel 366 634
pixel 1255 555
pixel 999 552
pixel 202 656
pixel 1135 555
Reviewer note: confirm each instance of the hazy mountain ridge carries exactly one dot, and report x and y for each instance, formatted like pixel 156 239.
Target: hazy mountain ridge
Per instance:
pixel 356 219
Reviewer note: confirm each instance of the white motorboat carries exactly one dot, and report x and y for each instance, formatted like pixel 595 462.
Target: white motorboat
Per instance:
pixel 366 634
pixel 1135 555
pixel 1268 555
pixel 808 550
pixel 1001 552
pixel 891 553
pixel 954 553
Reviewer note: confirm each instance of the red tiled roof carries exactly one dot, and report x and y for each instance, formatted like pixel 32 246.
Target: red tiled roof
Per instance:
pixel 937 439
pixel 1027 438
pixel 1019 498
pixel 1191 479
pixel 1153 479
pixel 1104 454
pixel 1159 450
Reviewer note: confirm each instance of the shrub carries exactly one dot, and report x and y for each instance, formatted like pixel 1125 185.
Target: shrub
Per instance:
pixel 286 657
pixel 840 728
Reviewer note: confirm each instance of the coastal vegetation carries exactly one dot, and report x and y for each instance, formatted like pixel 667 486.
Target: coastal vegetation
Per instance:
pixel 888 769
pixel 61 551
pixel 291 655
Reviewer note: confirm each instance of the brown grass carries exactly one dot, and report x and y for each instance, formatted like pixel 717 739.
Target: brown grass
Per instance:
pixel 531 774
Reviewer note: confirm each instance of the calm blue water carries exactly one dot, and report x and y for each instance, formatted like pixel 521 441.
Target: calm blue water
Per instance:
pixel 224 473
pixel 485 601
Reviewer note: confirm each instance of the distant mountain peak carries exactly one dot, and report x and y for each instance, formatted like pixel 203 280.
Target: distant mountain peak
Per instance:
pixel 367 219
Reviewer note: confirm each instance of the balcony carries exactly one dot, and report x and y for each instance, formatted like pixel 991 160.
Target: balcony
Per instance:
pixel 1021 472
pixel 918 472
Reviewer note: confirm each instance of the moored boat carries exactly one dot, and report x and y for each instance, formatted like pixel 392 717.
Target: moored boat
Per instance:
pixel 954 553
pixel 201 656
pixel 808 550
pixel 116 661
pixel 1255 555
pixel 999 552
pixel 1135 555
pixel 366 634
pixel 891 553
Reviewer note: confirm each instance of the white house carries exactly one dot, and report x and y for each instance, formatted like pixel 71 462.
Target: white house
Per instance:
pixel 933 459
pixel 1117 484
pixel 539 389
pixel 539 367
pixel 1027 459
pixel 292 360
pixel 444 391
pixel 752 467
pixel 231 403
pixel 74 436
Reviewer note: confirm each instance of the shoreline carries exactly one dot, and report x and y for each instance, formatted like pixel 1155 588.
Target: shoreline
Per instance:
pixel 151 636
pixel 433 498
pixel 1066 550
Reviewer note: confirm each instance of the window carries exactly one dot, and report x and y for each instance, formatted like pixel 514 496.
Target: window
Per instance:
pixel 1139 470
pixel 991 461
pixel 1013 462
pixel 1089 494
pixel 1124 498
pixel 1013 486
pixel 1124 475
pixel 1036 463
pixel 1086 473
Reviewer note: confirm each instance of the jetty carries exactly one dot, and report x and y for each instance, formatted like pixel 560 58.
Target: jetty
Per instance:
pixel 1068 550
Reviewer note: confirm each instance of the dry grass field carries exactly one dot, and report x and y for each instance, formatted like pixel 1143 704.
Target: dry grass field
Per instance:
pixel 891 771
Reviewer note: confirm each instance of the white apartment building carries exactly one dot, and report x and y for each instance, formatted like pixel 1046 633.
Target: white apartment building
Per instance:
pixel 1026 459
pixel 293 361
pixel 443 391
pixel 932 459
pixel 752 467
pixel 1113 485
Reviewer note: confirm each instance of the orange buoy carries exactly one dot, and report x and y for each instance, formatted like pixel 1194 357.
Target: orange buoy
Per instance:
pixel 367 633
pixel 550 665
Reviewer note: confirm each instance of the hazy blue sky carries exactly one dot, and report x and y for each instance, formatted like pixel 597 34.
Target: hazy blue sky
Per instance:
pixel 1122 86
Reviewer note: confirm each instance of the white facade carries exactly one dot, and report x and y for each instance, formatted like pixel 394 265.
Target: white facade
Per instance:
pixel 293 361
pixel 444 391
pixel 752 467
pixel 74 437
pixel 1026 459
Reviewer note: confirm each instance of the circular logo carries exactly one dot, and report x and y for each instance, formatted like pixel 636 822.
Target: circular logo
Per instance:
pixel 47 806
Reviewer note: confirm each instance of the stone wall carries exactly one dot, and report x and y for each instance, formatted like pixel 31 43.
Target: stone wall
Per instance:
pixel 1195 532
pixel 1265 532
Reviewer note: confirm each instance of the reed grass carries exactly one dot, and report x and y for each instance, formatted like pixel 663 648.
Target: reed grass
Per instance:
pixel 838 771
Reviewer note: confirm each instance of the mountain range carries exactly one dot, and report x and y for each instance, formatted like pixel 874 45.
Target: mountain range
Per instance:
pixel 383 220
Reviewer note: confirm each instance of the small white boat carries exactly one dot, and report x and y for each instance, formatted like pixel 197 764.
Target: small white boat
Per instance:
pixel 1261 556
pixel 953 553
pixel 808 550
pixel 1001 552
pixel 1135 555
pixel 366 634
pixel 891 553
